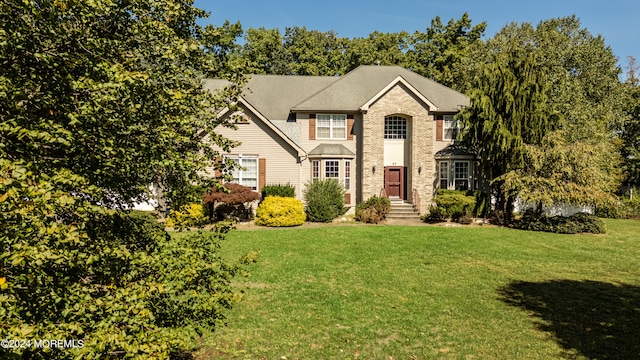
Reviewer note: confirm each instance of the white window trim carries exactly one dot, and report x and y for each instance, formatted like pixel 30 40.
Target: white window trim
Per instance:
pixel 448 127
pixel 342 163
pixel 313 169
pixel 394 136
pixel 325 169
pixel 467 178
pixel 332 119
pixel 347 175
pixel 241 170
pixel 440 178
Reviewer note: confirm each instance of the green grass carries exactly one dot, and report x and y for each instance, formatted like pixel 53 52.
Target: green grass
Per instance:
pixel 384 292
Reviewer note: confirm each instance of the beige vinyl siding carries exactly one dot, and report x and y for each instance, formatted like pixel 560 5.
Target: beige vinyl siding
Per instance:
pixel 308 145
pixel 259 140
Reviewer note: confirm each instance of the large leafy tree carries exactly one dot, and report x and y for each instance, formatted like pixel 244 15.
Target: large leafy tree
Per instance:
pixel 580 89
pixel 440 51
pixel 377 49
pixel 108 90
pixel 630 130
pixel 98 100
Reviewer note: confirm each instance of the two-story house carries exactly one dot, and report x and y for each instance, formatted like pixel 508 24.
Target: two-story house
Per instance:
pixel 378 129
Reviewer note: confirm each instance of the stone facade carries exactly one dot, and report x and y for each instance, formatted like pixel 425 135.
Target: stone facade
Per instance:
pixel 420 174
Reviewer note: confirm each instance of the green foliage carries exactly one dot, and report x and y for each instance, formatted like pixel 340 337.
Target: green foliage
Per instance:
pixel 455 203
pixel 190 215
pixel 72 270
pixel 585 172
pixel 624 207
pixel 439 52
pixel 373 210
pixel 99 100
pixel 277 211
pixel 112 91
pixel 574 224
pixel 435 215
pixel 287 190
pixel 630 128
pixel 324 200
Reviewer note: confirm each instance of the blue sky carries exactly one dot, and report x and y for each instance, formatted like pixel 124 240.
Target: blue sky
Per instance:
pixel 616 20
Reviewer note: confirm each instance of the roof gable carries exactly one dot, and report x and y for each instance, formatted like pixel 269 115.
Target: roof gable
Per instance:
pixel 361 86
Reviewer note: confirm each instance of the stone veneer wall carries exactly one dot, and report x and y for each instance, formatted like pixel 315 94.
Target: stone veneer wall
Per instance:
pixel 399 101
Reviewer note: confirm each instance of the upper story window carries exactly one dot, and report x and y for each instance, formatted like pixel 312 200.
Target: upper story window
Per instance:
pixel 331 126
pixel 451 127
pixel 395 127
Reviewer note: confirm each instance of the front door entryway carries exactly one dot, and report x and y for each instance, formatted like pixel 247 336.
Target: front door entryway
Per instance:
pixel 394 182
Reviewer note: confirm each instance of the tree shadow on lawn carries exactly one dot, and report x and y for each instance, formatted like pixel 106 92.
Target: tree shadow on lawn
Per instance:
pixel 597 319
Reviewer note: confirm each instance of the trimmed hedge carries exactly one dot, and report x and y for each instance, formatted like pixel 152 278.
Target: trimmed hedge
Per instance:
pixel 574 224
pixel 287 190
pixel 278 211
pixel 373 210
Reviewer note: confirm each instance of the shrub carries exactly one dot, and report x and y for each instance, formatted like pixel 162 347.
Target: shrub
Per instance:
pixel 574 224
pixel 450 204
pixel 325 200
pixel 287 190
pixel 234 197
pixel 498 217
pixel 373 210
pixel 280 211
pixel 71 270
pixel 462 218
pixel 435 215
pixel 190 215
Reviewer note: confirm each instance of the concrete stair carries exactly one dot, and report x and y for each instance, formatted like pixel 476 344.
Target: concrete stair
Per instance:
pixel 402 210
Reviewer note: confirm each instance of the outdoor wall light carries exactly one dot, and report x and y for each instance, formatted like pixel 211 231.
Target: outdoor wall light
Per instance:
pixel 420 169
pixel 375 166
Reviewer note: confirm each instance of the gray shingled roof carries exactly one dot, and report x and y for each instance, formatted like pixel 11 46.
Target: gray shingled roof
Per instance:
pixel 335 150
pixel 359 86
pixel 276 95
pixel 454 149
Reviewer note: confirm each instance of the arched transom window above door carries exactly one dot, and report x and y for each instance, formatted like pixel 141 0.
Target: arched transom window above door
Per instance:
pixel 395 127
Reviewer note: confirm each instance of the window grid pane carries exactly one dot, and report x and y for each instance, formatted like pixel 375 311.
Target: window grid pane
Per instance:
pixel 246 173
pixel 451 127
pixel 315 172
pixel 331 168
pixel 461 175
pixel 395 127
pixel 444 175
pixel 331 126
pixel 347 174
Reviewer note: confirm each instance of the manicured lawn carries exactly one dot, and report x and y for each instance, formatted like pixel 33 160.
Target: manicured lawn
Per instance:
pixel 387 292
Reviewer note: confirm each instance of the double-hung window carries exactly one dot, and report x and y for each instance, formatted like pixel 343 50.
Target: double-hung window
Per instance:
pixel 461 175
pixel 444 174
pixel 450 128
pixel 347 174
pixel 315 170
pixel 331 126
pixel 246 173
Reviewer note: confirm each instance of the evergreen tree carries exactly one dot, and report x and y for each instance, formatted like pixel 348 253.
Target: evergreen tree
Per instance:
pixel 508 111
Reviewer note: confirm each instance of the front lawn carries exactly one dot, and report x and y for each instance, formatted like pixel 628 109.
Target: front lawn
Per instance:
pixel 394 292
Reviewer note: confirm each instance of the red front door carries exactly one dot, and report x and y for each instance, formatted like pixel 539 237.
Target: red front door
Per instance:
pixel 394 181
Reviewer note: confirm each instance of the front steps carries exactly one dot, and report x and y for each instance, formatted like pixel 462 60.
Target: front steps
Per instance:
pixel 402 210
